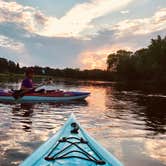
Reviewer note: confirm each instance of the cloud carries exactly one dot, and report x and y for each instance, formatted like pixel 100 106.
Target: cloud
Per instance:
pixel 124 11
pixel 93 59
pixel 27 17
pixel 8 43
pixel 75 21
pixel 142 26
pixel 78 19
pixel 40 50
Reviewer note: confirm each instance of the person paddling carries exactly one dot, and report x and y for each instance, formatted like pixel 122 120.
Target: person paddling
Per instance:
pixel 27 83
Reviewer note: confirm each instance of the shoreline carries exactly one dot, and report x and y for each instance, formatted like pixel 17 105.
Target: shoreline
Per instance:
pixel 93 81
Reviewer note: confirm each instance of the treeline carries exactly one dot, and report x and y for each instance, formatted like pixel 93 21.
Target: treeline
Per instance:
pixel 144 64
pixel 7 66
pixel 95 74
pixel 10 67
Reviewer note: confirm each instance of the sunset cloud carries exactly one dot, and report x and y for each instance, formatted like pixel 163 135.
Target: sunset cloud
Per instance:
pixel 97 58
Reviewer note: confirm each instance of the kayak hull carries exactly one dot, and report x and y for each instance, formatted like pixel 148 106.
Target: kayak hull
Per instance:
pixel 49 148
pixel 67 96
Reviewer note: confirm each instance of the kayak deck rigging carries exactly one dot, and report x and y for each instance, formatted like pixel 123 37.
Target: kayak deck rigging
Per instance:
pixel 71 146
pixel 77 142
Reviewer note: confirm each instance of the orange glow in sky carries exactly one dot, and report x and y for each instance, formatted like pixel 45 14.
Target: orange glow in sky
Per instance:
pixel 96 59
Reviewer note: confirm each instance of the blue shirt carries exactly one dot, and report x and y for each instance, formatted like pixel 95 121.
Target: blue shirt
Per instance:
pixel 27 83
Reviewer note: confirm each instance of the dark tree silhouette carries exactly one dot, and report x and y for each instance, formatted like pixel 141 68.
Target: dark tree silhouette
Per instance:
pixel 145 63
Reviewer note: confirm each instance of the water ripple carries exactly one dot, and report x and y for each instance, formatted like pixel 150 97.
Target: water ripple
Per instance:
pixel 130 124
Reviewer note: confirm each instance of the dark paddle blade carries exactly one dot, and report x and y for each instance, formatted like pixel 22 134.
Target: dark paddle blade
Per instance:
pixel 18 94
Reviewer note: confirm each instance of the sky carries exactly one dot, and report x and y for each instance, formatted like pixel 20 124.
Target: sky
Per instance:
pixel 76 33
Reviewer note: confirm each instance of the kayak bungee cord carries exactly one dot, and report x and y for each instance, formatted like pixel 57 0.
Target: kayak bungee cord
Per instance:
pixel 75 143
pixel 71 146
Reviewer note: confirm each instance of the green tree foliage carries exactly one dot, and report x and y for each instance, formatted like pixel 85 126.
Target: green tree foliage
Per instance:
pixel 114 59
pixel 145 63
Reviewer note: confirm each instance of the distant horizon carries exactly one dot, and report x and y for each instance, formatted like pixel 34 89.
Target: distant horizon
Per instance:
pixel 67 67
pixel 76 34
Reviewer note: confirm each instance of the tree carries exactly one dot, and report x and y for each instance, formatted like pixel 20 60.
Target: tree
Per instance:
pixel 111 61
pixel 145 63
pixel 114 58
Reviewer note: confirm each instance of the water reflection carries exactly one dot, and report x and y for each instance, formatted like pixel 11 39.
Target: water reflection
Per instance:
pixel 142 107
pixel 154 112
pixel 130 123
pixel 23 113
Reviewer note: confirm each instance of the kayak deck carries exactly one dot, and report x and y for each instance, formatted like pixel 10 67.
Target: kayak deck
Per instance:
pixel 71 146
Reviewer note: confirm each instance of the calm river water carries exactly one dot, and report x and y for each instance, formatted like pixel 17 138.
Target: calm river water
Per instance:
pixel 129 122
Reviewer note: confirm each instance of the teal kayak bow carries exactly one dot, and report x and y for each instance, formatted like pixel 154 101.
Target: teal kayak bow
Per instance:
pixel 71 146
